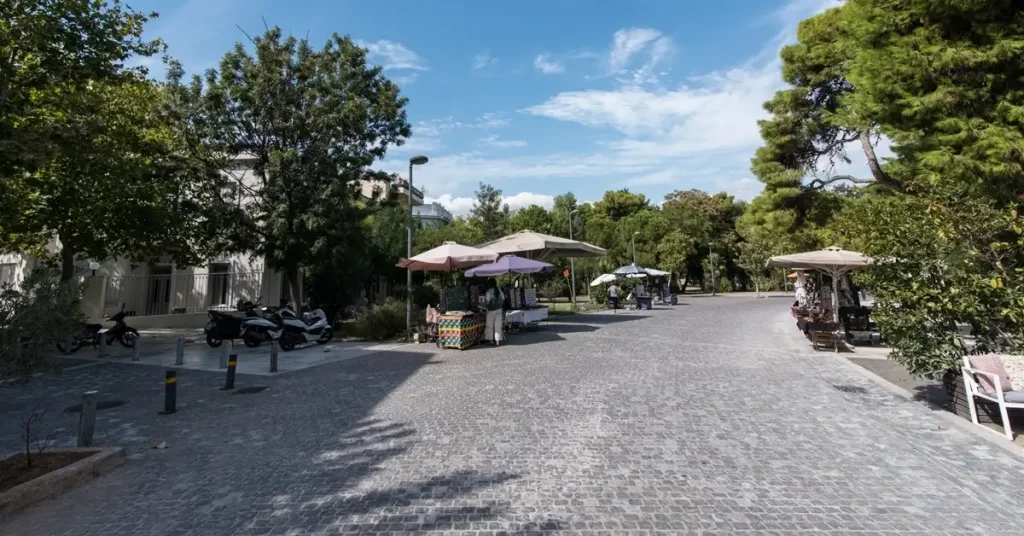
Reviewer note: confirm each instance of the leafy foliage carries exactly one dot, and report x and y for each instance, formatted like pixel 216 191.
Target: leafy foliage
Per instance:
pixel 33 320
pixel 489 214
pixel 942 83
pixel 308 122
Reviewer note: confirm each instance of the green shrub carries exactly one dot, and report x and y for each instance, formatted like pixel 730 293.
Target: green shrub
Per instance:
pixel 386 321
pixel 33 319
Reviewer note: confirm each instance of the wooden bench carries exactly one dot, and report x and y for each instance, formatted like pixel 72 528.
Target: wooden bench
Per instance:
pixel 824 334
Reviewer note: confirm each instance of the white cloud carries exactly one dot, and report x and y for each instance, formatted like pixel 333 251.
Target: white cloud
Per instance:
pixel 393 55
pixel 627 42
pixel 494 141
pixel 483 60
pixel 547 64
pixel 461 206
pixel 701 134
pixel 744 188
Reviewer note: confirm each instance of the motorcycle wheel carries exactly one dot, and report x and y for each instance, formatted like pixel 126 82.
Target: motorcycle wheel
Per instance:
pixel 252 339
pixel 127 339
pixel 326 336
pixel 214 342
pixel 287 343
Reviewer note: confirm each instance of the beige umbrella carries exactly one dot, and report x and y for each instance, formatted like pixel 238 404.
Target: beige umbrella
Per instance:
pixel 449 256
pixel 832 260
pixel 539 246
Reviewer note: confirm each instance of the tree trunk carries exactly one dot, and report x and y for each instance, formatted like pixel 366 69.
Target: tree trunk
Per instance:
pixel 291 275
pixel 67 263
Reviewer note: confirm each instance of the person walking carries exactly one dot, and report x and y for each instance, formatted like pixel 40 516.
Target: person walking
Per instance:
pixel 494 301
pixel 613 295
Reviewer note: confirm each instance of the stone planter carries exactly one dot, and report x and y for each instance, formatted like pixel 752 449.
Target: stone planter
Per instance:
pixel 22 496
pixel 988 412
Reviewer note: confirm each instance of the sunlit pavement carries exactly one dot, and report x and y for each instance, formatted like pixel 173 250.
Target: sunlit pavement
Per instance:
pixel 713 416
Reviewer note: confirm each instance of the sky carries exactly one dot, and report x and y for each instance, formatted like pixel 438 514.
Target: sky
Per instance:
pixel 540 98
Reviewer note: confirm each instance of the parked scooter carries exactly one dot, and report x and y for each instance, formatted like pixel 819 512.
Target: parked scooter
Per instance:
pixel 95 334
pixel 313 327
pixel 264 327
pixel 225 325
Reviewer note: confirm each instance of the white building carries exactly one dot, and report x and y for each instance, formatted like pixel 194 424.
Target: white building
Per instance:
pixel 165 295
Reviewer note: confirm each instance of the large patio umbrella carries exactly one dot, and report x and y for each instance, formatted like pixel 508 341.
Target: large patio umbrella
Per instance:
pixel 448 256
pixel 540 246
pixel 832 260
pixel 509 264
pixel 630 270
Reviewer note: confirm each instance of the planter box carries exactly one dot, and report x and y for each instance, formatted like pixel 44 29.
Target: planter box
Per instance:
pixel 56 482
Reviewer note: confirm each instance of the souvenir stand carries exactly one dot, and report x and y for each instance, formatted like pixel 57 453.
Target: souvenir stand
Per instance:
pixel 821 320
pixel 457 323
pixel 639 292
pixel 523 308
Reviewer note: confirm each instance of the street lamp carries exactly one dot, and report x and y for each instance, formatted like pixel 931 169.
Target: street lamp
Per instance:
pixel 572 263
pixel 414 161
pixel 634 246
pixel 711 261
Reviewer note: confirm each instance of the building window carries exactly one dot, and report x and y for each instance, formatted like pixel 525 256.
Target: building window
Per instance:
pixel 218 285
pixel 7 274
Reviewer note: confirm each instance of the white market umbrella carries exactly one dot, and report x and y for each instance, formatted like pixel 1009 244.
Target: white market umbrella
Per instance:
pixel 540 246
pixel 602 279
pixel 448 256
pixel 833 261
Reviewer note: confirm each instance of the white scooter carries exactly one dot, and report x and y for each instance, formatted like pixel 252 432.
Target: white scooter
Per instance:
pixel 314 327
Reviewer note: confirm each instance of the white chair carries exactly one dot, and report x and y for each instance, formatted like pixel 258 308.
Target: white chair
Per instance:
pixel 1005 399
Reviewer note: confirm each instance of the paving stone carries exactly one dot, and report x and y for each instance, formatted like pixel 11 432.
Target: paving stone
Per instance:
pixel 712 417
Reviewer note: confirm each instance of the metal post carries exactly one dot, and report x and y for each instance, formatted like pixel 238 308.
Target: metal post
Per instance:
pixel 225 350
pixel 408 255
pixel 273 356
pixel 229 382
pixel 634 248
pixel 136 348
pixel 711 261
pixel 572 264
pixel 179 352
pixel 170 392
pixel 87 419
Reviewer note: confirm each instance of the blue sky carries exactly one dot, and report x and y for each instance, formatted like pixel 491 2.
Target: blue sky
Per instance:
pixel 544 97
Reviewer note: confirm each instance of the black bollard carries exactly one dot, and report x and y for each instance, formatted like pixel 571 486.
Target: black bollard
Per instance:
pixel 170 392
pixel 87 419
pixel 229 382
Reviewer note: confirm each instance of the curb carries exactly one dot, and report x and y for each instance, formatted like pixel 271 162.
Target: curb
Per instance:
pixel 56 482
pixel 991 436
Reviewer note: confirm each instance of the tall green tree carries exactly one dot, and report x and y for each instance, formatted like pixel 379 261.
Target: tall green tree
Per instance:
pixel 534 217
pixel 942 81
pixel 309 122
pixel 48 50
pixel 489 213
pixel 124 191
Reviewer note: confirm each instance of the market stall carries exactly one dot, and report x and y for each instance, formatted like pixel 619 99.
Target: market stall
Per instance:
pixel 455 323
pixel 524 309
pixel 821 314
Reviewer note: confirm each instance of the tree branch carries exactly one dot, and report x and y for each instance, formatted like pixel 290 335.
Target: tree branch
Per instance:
pixel 818 184
pixel 881 177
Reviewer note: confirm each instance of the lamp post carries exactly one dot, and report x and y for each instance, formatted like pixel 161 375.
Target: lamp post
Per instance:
pixel 711 261
pixel 414 161
pixel 634 246
pixel 572 263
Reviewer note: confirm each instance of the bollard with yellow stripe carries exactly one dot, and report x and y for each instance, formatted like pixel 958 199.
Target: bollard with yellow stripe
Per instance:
pixel 229 382
pixel 170 392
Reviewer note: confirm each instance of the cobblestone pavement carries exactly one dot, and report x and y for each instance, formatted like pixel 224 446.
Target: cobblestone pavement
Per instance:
pixel 712 417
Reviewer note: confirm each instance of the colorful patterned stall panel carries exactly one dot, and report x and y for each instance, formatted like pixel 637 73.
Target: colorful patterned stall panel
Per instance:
pixel 460 330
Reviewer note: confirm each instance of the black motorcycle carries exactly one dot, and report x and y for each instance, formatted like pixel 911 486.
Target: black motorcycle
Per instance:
pixel 94 335
pixel 225 326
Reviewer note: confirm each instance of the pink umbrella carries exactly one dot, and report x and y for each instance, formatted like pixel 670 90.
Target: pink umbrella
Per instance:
pixel 449 256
